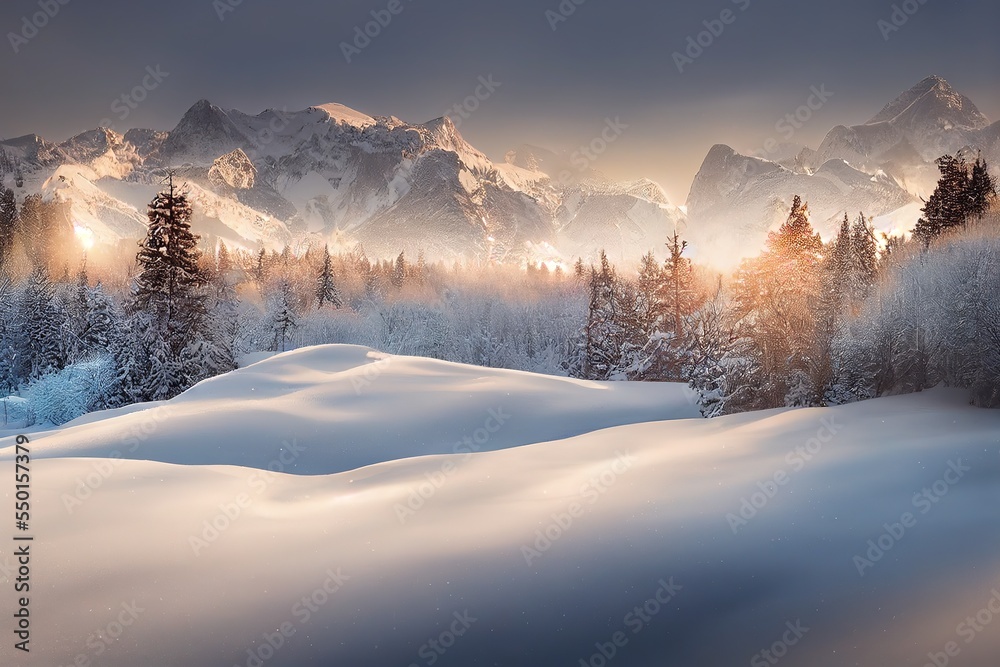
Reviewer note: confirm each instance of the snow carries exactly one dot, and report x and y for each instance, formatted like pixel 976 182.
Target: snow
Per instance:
pixel 341 114
pixel 357 435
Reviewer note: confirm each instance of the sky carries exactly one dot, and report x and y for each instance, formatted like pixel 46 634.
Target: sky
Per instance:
pixel 560 70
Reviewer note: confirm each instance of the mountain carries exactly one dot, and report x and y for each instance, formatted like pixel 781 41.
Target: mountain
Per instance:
pixel 735 199
pixel 330 174
pixel 882 168
pixel 909 134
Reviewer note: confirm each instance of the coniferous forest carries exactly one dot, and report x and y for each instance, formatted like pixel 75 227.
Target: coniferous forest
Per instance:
pixel 805 323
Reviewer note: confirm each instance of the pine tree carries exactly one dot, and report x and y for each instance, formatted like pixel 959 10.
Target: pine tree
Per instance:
pixel 649 287
pixel 40 350
pixel 678 294
pixel 778 300
pixel 399 271
pixel 326 289
pixel 953 201
pixel 169 293
pixel 282 315
pixel 982 190
pixel 865 264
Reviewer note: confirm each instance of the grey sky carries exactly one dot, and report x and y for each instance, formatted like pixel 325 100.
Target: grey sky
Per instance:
pixel 608 59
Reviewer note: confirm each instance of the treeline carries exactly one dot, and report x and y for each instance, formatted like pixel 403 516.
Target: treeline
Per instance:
pixel 86 340
pixel 805 323
pixel 810 324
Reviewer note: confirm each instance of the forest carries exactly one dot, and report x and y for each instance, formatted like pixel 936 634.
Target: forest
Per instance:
pixel 804 323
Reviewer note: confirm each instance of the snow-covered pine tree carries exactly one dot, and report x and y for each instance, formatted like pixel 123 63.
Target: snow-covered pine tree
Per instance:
pixel 169 294
pixel 722 364
pixel 40 350
pixel 326 288
pixel 650 307
pixel 865 265
pixel 678 293
pixel 951 203
pixel 399 271
pixel 982 190
pixel 282 315
pixel 776 298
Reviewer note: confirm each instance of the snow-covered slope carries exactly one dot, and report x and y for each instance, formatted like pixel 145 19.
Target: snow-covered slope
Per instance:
pixel 332 174
pixel 870 529
pixel 735 200
pixel 922 124
pixel 343 394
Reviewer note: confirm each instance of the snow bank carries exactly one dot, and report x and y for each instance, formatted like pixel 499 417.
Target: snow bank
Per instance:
pixel 348 407
pixel 633 541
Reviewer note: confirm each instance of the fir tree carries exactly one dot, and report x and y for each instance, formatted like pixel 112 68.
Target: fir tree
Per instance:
pixel 282 315
pixel 326 289
pixel 678 294
pixel 982 190
pixel 169 293
pixel 399 270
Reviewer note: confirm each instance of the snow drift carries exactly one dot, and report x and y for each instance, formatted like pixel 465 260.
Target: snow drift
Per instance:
pixel 864 534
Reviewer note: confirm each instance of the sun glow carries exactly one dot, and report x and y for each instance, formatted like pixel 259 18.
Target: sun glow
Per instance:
pixel 84 236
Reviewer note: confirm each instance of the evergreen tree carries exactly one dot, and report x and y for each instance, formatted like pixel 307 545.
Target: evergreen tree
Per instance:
pixel 40 350
pixel 982 190
pixel 282 315
pixel 678 294
pixel 399 270
pixel 958 197
pixel 865 264
pixel 779 306
pixel 169 295
pixel 326 289
pixel 649 288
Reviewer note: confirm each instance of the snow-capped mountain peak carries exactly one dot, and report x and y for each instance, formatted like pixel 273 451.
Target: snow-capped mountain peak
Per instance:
pixel 932 100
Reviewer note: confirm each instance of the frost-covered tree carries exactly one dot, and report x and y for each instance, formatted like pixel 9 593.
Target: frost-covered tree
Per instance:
pixel 963 193
pixel 39 345
pixel 776 298
pixel 281 313
pixel 721 363
pixel 326 288
pixel 169 299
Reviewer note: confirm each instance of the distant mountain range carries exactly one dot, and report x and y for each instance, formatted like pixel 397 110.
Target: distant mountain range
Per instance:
pixel 329 174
